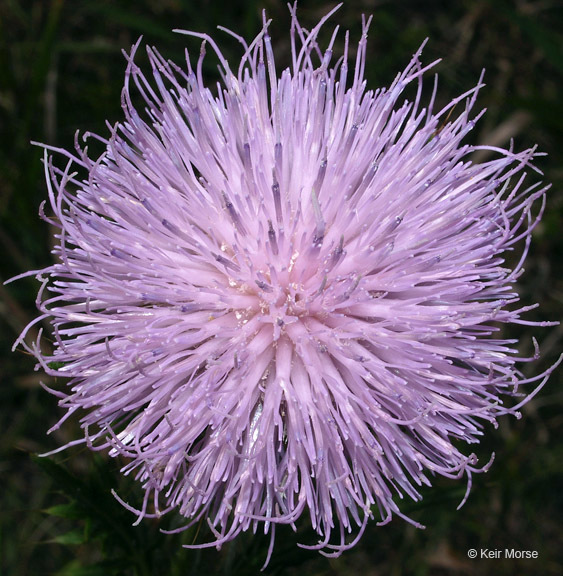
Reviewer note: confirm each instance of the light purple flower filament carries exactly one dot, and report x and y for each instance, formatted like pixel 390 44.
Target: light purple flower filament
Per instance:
pixel 282 297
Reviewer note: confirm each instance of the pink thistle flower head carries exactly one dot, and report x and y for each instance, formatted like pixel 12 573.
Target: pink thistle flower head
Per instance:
pixel 283 297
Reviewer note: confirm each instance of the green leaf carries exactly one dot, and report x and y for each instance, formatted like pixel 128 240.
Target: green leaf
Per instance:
pixel 71 510
pixel 72 538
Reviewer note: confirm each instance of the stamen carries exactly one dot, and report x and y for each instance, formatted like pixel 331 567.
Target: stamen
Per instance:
pixel 272 238
pixel 319 235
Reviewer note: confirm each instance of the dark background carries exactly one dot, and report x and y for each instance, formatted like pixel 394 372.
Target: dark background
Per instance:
pixel 61 69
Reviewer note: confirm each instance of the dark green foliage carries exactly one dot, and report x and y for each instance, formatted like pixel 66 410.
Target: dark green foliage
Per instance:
pixel 61 69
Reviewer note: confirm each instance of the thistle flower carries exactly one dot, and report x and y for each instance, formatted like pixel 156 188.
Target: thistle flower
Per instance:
pixel 283 297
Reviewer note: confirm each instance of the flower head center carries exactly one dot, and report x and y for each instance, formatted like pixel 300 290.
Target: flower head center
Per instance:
pixel 281 304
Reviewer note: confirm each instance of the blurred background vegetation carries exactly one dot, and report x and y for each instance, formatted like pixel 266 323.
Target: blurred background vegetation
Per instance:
pixel 61 69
